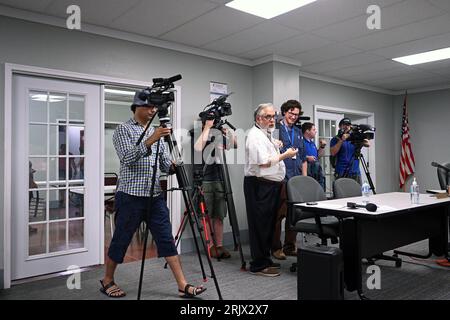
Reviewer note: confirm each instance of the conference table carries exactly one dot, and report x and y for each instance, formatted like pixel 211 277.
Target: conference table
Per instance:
pixel 394 224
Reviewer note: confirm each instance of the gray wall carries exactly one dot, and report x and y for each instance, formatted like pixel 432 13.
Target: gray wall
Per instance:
pixel 429 118
pixel 332 95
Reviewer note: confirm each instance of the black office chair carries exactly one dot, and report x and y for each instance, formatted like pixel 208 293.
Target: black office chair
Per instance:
pixel 306 189
pixel 347 188
pixel 444 176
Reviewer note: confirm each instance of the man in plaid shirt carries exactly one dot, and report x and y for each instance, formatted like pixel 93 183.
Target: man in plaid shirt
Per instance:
pixel 133 194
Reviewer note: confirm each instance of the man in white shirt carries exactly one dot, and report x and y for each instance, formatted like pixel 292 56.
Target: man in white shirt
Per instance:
pixel 264 173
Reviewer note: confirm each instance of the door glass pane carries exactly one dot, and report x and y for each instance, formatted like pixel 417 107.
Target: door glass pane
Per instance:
pixel 76 108
pixel 333 128
pixel 57 178
pixel 37 139
pixel 327 128
pixel 57 236
pixel 38 106
pixel 57 204
pixel 57 140
pixel 76 202
pixel 321 126
pixel 78 168
pixel 76 234
pixel 37 235
pixel 57 108
pixel 76 140
pixel 37 173
pixel 37 205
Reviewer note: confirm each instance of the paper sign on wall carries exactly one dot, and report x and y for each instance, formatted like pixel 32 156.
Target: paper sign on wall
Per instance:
pixel 217 89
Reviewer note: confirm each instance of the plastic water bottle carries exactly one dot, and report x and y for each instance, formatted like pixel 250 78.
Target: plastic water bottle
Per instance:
pixel 365 191
pixel 415 192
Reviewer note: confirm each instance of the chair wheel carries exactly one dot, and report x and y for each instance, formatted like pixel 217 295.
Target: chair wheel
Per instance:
pixel 293 269
pixel 398 264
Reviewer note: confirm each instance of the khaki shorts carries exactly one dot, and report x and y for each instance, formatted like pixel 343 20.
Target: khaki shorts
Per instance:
pixel 215 199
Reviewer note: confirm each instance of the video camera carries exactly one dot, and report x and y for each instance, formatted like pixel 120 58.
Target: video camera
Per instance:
pixel 216 110
pixel 160 94
pixel 358 133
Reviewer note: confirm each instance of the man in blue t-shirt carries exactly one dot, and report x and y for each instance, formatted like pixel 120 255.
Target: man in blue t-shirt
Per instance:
pixel 313 154
pixel 347 164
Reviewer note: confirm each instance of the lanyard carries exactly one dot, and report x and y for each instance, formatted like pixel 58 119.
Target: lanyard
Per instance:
pixel 292 137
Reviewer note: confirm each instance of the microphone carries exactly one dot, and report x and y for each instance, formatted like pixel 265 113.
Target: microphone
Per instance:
pixel 437 165
pixel 369 207
pixel 168 80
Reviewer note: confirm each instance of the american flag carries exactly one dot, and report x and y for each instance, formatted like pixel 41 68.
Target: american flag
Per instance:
pixel 407 162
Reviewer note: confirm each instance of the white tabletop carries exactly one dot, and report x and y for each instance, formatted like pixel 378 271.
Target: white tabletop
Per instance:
pixel 386 203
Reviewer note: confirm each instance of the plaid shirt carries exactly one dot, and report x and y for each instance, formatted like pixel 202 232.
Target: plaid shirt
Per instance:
pixel 136 162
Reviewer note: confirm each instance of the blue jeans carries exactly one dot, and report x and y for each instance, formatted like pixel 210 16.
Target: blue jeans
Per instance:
pixel 130 212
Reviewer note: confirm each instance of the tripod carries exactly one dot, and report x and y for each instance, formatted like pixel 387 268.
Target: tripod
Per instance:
pixel 361 160
pixel 225 179
pixel 183 183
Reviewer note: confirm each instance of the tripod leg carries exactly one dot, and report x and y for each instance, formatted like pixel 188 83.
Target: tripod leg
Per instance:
pixel 144 251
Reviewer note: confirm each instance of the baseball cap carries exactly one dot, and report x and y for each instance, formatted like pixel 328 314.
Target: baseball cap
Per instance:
pixel 345 121
pixel 139 99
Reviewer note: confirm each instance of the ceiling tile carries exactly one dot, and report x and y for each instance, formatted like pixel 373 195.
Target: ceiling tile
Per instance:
pixel 326 12
pixel 442 4
pixel 288 47
pixel 99 12
pixel 413 47
pixel 35 5
pixel 347 61
pixel 369 68
pixel 407 12
pixel 329 52
pixel 384 38
pixel 212 26
pixel 262 34
pixel 160 16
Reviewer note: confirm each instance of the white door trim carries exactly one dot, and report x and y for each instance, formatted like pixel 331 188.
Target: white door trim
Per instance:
pixel 371 121
pixel 11 69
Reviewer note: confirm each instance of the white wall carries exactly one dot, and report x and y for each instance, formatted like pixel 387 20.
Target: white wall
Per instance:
pixel 2 179
pixel 328 94
pixel 429 125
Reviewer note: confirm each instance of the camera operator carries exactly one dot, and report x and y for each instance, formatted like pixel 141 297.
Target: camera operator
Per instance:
pixel 212 182
pixel 291 136
pixel 347 164
pixel 264 173
pixel 313 154
pixel 133 193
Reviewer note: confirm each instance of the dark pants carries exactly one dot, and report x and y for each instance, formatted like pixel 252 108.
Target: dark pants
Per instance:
pixel 130 212
pixel 315 171
pixel 261 201
pixel 290 237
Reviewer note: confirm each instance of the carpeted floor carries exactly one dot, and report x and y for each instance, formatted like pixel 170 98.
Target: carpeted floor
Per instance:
pixel 416 279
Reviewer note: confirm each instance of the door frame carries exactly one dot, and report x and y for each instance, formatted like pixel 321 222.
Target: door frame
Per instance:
pixel 11 69
pixel 371 121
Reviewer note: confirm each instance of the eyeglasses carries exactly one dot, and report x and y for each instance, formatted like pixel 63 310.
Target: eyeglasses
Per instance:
pixel 268 117
pixel 293 114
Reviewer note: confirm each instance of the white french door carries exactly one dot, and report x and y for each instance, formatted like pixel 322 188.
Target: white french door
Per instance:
pixel 56 175
pixel 327 127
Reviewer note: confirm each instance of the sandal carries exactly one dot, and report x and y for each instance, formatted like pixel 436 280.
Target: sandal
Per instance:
pixel 195 292
pixel 112 290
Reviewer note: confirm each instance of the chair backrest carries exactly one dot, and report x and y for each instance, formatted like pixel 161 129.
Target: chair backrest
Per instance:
pixel 444 176
pixel 346 188
pixel 304 189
